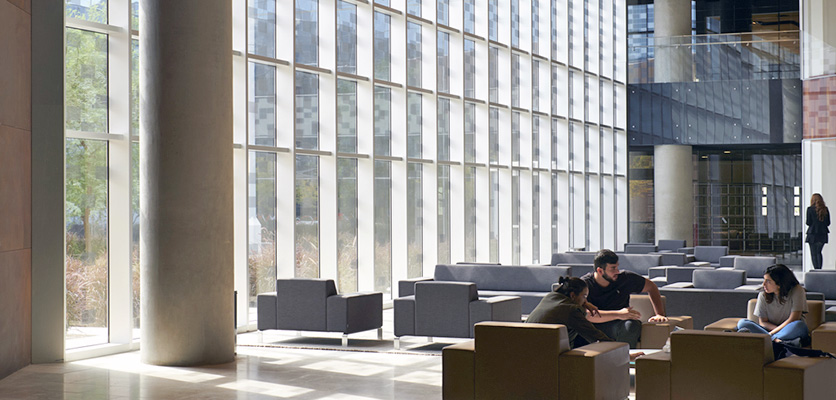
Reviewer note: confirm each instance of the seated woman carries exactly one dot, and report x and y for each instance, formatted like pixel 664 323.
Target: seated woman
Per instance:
pixel 567 305
pixel 780 308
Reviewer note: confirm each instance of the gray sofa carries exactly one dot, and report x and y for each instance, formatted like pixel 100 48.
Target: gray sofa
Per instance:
pixel 314 305
pixel 639 248
pixel 755 267
pixel 639 263
pixel 669 245
pixel 581 262
pixel 449 309
pixel 530 283
pixel 714 294
pixel 823 281
pixel 666 275
pixel 710 254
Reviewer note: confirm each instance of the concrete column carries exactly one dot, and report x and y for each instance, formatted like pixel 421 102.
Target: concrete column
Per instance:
pixel 186 179
pixel 672 63
pixel 48 296
pixel 673 192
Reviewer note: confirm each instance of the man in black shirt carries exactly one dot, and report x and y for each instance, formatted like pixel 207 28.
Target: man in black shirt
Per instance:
pixel 610 289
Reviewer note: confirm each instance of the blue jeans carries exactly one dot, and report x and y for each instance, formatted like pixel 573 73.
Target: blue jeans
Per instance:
pixel 628 330
pixel 794 330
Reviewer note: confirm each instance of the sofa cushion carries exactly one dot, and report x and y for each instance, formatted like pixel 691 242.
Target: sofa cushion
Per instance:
pixel 639 263
pixel 670 244
pixel 672 258
pixel 529 300
pixel 440 306
pixel 718 279
pixel 821 281
pixel 712 365
pixel 537 278
pixel 573 257
pixel 639 248
pixel 302 303
pixel 755 267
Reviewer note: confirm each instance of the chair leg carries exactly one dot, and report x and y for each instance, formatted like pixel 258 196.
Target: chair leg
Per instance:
pixel 379 333
pixel 260 337
pixel 397 343
pixel 345 340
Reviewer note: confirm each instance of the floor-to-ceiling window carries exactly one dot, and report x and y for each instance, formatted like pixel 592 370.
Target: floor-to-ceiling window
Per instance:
pixel 408 148
pixel 101 202
pixel 372 140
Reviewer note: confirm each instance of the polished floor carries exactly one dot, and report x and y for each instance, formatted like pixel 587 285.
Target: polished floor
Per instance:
pixel 256 373
pixel 272 365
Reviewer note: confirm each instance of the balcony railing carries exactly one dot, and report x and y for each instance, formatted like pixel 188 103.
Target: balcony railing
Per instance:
pixel 715 57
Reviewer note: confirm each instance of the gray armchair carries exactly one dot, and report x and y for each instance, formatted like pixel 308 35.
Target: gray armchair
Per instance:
pixel 755 267
pixel 710 254
pixel 449 309
pixel 670 245
pixel 314 305
pixel 823 281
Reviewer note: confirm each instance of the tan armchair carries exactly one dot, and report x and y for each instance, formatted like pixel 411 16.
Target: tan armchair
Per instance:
pixel 509 360
pixel 655 334
pixel 815 317
pixel 727 365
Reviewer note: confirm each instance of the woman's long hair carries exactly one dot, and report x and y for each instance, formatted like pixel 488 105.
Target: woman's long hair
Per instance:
pixel 821 209
pixel 570 285
pixel 785 280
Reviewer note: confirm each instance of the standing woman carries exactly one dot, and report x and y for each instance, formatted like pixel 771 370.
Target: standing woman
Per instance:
pixel 818 219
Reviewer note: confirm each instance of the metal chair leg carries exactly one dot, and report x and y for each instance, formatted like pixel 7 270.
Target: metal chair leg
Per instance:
pixel 345 340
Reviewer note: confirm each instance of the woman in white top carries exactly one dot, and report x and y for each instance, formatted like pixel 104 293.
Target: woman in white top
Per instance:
pixel 781 307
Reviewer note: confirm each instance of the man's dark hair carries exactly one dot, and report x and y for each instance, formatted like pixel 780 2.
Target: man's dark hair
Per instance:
pixel 605 257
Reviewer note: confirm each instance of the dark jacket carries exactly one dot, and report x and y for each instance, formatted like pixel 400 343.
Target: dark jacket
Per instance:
pixel 817 230
pixel 556 308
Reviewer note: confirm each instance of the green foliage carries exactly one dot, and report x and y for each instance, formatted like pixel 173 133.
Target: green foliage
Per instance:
pixel 86 95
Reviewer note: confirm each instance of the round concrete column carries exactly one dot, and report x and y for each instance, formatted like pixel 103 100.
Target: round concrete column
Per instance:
pixel 672 63
pixel 673 192
pixel 186 182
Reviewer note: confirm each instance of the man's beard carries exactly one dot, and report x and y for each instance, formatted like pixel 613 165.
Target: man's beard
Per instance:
pixel 608 279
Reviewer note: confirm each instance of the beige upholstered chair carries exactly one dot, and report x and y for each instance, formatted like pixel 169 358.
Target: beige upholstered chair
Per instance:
pixel 729 365
pixel 508 360
pixel 655 334
pixel 815 317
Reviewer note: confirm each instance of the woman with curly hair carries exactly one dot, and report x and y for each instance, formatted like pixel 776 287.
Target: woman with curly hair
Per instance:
pixel 567 305
pixel 781 307
pixel 818 219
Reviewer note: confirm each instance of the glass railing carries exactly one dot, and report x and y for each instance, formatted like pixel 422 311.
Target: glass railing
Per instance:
pixel 819 57
pixel 715 57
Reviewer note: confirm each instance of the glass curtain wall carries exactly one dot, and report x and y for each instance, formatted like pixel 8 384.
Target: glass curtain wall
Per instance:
pixel 345 118
pixel 453 132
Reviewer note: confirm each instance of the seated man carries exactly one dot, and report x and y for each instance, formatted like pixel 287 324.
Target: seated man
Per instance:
pixel 610 289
